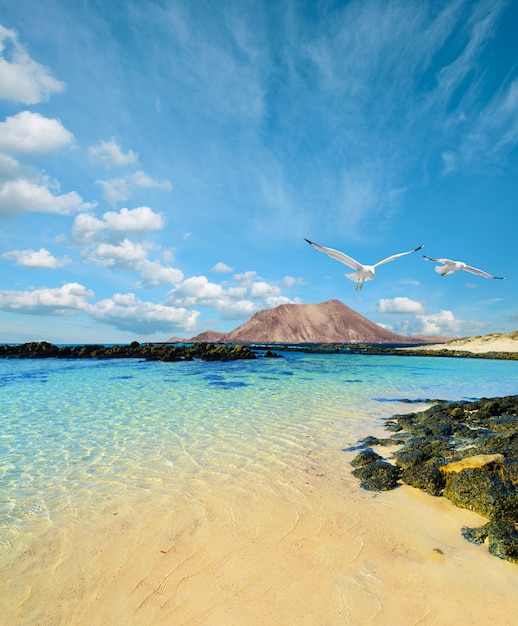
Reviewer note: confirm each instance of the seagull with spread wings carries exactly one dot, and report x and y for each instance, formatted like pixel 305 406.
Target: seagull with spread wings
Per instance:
pixel 363 272
pixel 449 267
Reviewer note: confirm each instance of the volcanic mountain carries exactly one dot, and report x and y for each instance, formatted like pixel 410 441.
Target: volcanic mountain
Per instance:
pixel 327 322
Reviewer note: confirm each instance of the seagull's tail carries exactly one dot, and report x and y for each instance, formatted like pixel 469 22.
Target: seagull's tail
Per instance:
pixel 441 269
pixel 358 277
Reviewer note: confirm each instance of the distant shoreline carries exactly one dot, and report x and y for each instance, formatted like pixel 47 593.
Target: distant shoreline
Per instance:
pixel 488 347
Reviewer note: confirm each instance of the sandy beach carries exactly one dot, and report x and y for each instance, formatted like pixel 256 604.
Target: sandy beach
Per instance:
pixel 313 549
pixel 478 345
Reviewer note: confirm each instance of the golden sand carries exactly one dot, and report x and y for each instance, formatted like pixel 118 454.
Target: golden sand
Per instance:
pixel 307 547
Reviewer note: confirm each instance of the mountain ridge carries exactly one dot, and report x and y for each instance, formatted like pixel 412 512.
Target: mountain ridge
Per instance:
pixel 327 322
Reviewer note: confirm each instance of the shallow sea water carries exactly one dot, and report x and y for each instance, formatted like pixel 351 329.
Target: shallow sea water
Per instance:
pixel 80 437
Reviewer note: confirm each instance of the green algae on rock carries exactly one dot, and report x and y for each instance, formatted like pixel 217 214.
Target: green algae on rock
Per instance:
pixel 464 451
pixel 147 351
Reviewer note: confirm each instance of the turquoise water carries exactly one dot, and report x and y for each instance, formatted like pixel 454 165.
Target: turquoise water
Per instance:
pixel 72 430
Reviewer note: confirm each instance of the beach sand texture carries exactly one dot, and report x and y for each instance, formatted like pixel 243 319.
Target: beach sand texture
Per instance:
pixel 306 548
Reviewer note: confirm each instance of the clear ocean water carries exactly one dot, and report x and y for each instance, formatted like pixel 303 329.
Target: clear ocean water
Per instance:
pixel 73 432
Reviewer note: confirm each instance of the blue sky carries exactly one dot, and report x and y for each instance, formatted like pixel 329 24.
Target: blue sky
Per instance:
pixel 162 162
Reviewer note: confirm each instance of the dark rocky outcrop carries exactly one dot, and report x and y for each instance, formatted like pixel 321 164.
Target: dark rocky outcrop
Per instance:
pixel 464 451
pixel 135 350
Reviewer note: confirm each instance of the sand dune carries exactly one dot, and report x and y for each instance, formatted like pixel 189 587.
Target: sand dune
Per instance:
pixel 479 345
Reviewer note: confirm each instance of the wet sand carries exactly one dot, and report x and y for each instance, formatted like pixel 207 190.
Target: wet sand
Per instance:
pixel 306 546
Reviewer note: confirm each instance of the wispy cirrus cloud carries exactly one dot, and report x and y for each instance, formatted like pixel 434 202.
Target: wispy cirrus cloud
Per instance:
pixel 120 189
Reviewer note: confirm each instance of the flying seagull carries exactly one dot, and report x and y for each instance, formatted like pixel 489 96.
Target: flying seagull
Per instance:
pixel 363 272
pixel 449 267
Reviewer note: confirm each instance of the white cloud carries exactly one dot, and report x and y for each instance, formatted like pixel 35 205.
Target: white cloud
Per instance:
pixel 64 300
pixel 198 291
pixel 116 224
pixel 153 273
pixel 106 242
pixel 221 268
pixel 445 324
pixel 400 305
pixel 262 289
pixel 238 301
pixel 122 255
pixel 21 78
pixel 31 258
pixel 124 311
pixel 237 310
pixel 290 281
pixel 245 278
pixel 449 162
pixel 127 312
pixel 110 154
pixel 22 195
pixel 31 133
pixel 120 189
pixel 129 256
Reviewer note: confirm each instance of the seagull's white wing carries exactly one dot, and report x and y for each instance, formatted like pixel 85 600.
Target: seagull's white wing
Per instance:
pixel 396 256
pixel 474 270
pixel 336 254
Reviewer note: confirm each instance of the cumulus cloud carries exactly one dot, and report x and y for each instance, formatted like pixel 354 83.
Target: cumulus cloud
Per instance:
pixel 198 291
pixel 153 273
pixel 64 300
pixel 24 189
pixel 237 301
pixel 444 323
pixel 21 78
pixel 23 195
pixel 31 258
pixel 31 133
pixel 122 255
pixel 129 256
pixel 105 241
pixel 127 312
pixel 109 154
pixel 221 268
pixel 123 311
pixel 399 305
pixel 120 189
pixel 262 289
pixel 116 224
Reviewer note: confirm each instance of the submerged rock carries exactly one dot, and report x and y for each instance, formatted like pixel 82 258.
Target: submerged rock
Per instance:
pixel 464 451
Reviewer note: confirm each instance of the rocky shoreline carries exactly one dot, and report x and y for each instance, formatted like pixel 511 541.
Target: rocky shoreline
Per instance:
pixel 135 350
pixel 464 451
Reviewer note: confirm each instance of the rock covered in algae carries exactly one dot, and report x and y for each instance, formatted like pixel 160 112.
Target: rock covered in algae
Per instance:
pixel 502 538
pixel 149 352
pixel 464 451
pixel 374 473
